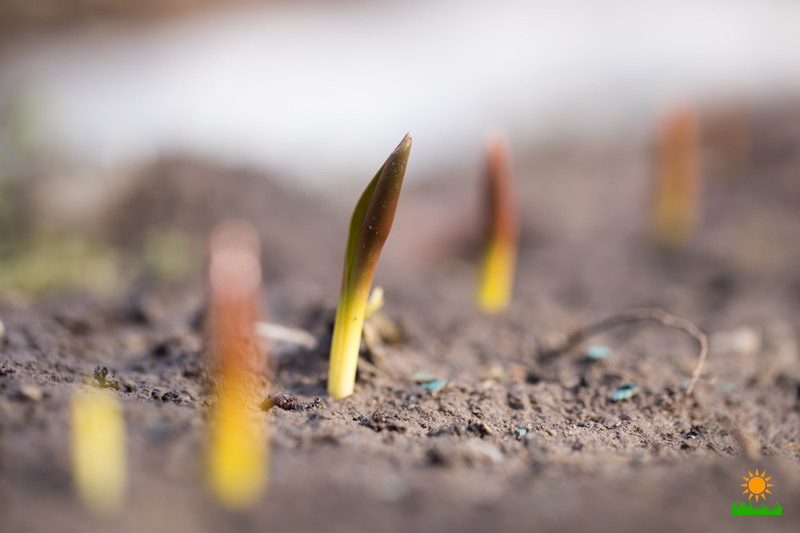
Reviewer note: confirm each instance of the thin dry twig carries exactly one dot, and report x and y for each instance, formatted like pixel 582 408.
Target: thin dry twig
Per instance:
pixel 277 332
pixel 638 315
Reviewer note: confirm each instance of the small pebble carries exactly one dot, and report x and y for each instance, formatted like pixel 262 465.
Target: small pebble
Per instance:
pixel 288 402
pixel 435 385
pixel 624 392
pixel 597 352
pixel 521 432
pixel 479 428
pixel 282 401
pixel 496 373
pixel 32 393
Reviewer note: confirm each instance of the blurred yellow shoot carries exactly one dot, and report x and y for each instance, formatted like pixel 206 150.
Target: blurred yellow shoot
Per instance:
pixel 98 450
pixel 237 461
pixel 237 450
pixel 677 194
pixel 502 235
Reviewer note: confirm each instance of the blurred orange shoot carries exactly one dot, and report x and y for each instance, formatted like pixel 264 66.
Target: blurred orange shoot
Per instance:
pixel 502 232
pixel 237 452
pixel 98 450
pixel 678 187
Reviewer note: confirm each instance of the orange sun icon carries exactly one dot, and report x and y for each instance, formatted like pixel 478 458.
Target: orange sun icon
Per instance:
pixel 757 485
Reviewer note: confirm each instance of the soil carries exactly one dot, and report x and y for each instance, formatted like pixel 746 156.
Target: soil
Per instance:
pixel 518 438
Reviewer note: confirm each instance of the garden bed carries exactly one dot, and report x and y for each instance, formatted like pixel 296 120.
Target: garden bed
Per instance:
pixel 511 436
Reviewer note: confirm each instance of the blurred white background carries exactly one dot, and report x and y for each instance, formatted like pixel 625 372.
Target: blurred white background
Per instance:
pixel 322 92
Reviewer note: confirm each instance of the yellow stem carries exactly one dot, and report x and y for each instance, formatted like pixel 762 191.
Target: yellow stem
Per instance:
pixel 675 218
pixel 497 276
pixel 346 342
pixel 98 450
pixel 237 462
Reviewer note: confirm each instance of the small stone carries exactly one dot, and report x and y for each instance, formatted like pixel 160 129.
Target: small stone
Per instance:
pixel 597 352
pixel 521 432
pixel 31 393
pixel 624 392
pixel 435 385
pixel 291 403
pixel 479 428
pixel 496 373
pixel 281 401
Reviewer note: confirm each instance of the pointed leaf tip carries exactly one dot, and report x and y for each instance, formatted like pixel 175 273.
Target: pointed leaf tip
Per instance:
pixel 405 144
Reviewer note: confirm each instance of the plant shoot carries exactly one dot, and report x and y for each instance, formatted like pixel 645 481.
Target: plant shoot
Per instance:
pixel 237 451
pixel 369 227
pixel 678 187
pixel 98 450
pixel 502 232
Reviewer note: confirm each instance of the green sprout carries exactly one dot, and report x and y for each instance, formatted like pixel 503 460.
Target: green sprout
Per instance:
pixel 369 227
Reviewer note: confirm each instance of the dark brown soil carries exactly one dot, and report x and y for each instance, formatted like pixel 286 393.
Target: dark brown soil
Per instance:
pixel 516 440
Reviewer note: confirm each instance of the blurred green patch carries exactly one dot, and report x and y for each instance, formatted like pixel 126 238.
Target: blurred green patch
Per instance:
pixel 52 263
pixel 38 256
pixel 169 255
